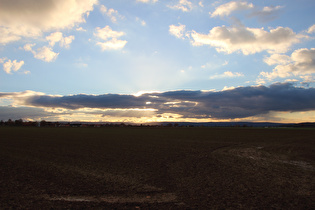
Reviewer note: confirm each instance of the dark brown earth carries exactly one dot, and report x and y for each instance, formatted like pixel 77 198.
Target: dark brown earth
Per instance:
pixel 157 168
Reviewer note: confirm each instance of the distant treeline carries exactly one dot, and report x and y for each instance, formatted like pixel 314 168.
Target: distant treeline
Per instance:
pixel 44 123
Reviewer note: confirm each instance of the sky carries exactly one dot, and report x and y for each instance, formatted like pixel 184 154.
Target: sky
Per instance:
pixel 157 61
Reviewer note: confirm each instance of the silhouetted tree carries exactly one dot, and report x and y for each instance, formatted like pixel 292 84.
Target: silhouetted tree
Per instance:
pixel 18 122
pixel 43 123
pixel 9 122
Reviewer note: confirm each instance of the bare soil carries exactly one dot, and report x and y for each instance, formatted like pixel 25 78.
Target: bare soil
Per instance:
pixel 157 168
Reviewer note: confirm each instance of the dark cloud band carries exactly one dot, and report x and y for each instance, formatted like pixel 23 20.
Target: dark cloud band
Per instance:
pixel 240 102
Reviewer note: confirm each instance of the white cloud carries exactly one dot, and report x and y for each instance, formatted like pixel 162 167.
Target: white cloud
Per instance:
pixel 110 37
pixel 177 31
pixel 247 40
pixel 301 62
pixel 147 1
pixel 307 79
pixel 113 44
pixel 228 8
pixel 53 38
pixel 311 29
pixel 111 13
pixel 107 33
pixel 277 59
pixel 291 80
pixel 10 66
pixel 271 9
pixel 66 41
pixel 81 29
pixel 227 74
pixel 44 53
pixel 10 34
pixel 201 4
pixel 183 5
pixel 28 47
pixel 21 18
pixel 264 14
pixel 6 36
pixel 103 9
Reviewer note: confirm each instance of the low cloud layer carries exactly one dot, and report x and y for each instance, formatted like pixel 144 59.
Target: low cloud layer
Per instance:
pixel 14 113
pixel 234 103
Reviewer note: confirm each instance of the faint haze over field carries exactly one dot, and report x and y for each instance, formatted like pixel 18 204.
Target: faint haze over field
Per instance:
pixel 156 60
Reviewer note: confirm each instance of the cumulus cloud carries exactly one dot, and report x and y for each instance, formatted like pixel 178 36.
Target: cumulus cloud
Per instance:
pixel 30 18
pixel 107 33
pixel 56 37
pixel 46 54
pixel 301 62
pixel 43 53
pixel 66 41
pixel 277 59
pixel 228 8
pixel 111 13
pixel 247 40
pixel 264 14
pixel 227 74
pixel 233 103
pixel 177 31
pixel 109 38
pixel 53 38
pixel 7 36
pixel 183 5
pixel 11 34
pixel 9 66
